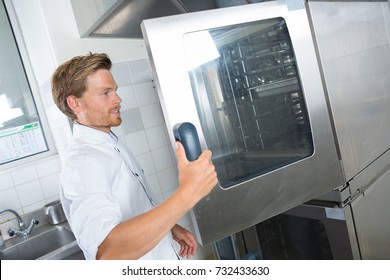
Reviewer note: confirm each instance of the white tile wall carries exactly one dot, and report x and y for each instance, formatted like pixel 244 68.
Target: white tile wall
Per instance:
pixel 24 175
pixel 30 192
pixel 50 185
pixel 48 167
pixel 129 100
pixel 5 181
pixel 28 188
pixel 145 94
pixel 138 142
pixel 9 199
pixel 151 115
pixel 162 158
pixel 140 71
pixel 121 73
pixel 168 179
pixel 157 137
pixel 132 120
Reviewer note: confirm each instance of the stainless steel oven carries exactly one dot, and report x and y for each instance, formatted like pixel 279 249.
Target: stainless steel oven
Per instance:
pixel 305 232
pixel 248 78
pixel 335 226
pixel 270 88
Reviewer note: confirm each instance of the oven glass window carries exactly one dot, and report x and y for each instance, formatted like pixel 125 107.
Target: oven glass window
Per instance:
pixel 249 98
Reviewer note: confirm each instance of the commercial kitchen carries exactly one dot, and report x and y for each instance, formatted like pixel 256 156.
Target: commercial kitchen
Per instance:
pixel 292 97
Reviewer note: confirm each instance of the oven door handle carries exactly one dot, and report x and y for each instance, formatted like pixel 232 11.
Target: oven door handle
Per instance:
pixel 186 133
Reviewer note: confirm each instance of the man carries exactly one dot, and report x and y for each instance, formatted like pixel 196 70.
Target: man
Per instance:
pixel 103 188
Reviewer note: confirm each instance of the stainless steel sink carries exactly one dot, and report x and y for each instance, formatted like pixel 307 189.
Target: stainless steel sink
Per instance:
pixel 45 242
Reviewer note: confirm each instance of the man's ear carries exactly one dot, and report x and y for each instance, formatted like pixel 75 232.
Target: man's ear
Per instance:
pixel 73 103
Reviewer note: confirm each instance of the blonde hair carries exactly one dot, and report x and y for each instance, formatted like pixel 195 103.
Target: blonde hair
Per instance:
pixel 70 78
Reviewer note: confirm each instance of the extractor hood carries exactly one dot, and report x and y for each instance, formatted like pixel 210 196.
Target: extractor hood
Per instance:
pixel 122 18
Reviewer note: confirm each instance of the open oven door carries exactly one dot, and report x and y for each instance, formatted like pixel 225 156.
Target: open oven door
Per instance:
pixel 249 80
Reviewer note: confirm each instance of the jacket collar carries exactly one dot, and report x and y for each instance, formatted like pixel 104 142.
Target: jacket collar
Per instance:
pixel 92 135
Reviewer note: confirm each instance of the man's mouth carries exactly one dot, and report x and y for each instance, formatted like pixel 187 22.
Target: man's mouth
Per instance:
pixel 116 111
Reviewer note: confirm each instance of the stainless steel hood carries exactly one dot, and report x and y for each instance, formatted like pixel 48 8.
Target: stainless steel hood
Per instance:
pixel 122 18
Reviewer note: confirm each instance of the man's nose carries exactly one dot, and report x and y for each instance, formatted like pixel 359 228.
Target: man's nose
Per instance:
pixel 117 98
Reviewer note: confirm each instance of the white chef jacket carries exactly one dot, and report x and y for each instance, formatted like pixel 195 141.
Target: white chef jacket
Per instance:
pixel 101 186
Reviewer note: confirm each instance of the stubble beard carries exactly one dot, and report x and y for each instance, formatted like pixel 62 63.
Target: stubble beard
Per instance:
pixel 103 121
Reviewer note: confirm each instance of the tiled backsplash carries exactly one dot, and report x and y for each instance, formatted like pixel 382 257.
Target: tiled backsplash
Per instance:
pixel 28 188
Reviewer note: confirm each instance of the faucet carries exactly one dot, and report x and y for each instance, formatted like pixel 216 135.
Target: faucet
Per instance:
pixel 23 230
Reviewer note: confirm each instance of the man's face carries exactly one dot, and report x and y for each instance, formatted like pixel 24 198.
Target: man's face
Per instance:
pixel 99 107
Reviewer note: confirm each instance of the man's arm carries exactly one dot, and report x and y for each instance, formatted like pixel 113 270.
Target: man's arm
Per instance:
pixel 135 237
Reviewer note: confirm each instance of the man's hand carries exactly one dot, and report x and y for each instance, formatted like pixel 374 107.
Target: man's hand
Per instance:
pixel 186 240
pixel 196 178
